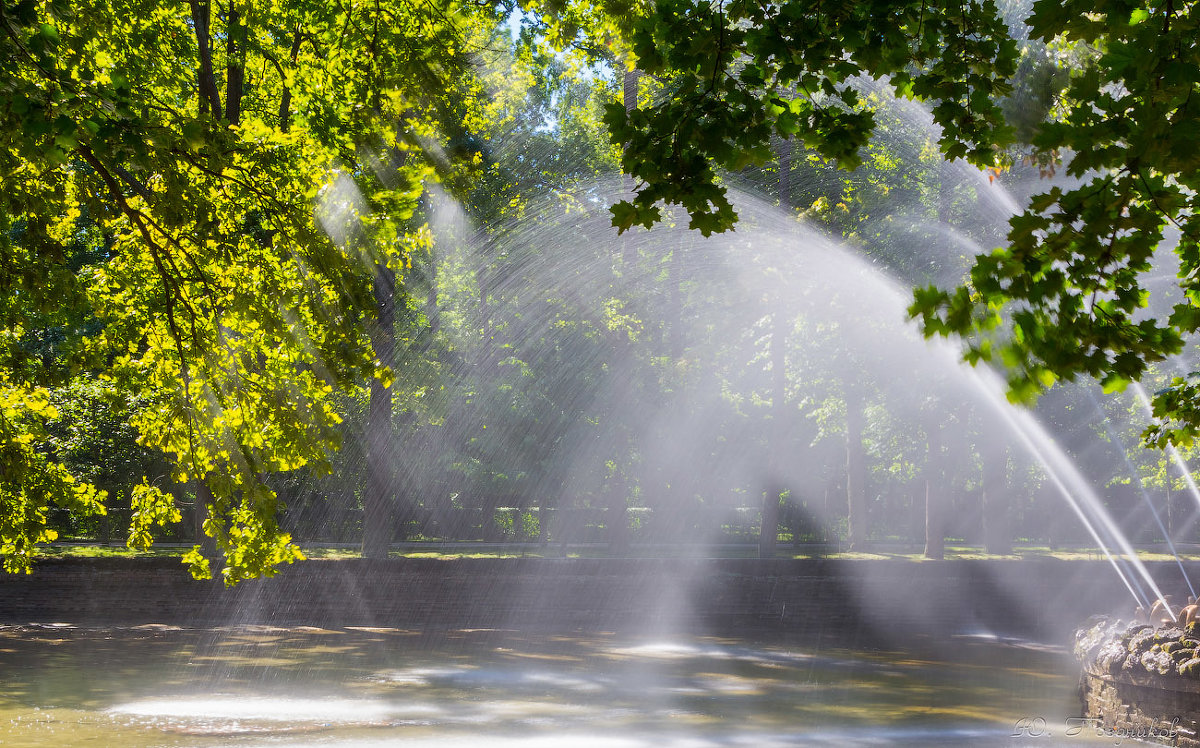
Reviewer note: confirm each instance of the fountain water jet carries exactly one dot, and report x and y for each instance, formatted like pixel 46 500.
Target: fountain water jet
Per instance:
pixel 1142 489
pixel 1074 488
pixel 577 303
pixel 1184 471
pixel 694 424
pixel 842 320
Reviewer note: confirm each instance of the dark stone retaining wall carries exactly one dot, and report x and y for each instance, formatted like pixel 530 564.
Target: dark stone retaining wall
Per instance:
pixel 1163 710
pixel 1043 599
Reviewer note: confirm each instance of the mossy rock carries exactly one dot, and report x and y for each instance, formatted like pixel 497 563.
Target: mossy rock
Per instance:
pixel 1183 654
pixel 1158 662
pixel 1132 662
pixel 1168 634
pixel 1190 668
pixel 1142 641
pixel 1111 656
pixel 1133 629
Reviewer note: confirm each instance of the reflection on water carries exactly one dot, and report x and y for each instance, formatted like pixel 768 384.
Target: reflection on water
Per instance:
pixel 259 686
pixel 257 708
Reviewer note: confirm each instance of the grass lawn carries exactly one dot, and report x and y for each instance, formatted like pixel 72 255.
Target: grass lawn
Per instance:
pixel 449 551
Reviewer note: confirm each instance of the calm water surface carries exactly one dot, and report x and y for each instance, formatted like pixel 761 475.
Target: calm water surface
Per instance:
pixel 261 686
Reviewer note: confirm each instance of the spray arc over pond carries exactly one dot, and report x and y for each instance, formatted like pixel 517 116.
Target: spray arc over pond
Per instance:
pixel 388 687
pixel 721 369
pixel 689 377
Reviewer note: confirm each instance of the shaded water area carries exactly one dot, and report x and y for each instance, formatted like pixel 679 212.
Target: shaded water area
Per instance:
pixel 160 685
pixel 596 653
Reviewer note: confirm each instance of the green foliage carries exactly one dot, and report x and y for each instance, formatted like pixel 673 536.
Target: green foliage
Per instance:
pixel 195 201
pixel 740 72
pixel 31 483
pixel 151 507
pixel 1106 88
pixel 92 434
pixel 1072 280
pixel 183 147
pixel 1037 84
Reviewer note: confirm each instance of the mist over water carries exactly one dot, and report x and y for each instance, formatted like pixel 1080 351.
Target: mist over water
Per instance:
pixel 668 311
pixel 664 345
pixel 563 371
pixel 386 687
pixel 691 402
pixel 571 375
pixel 567 375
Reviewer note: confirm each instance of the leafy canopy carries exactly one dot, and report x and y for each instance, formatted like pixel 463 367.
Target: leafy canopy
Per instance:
pixel 187 144
pixel 1073 278
pixel 740 73
pixel 195 198
pixel 1067 296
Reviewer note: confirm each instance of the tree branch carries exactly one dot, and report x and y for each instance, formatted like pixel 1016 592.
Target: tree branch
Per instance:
pixel 210 100
pixel 235 66
pixel 170 284
pixel 285 101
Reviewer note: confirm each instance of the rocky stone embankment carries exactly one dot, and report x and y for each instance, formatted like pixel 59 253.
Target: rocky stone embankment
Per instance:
pixel 1142 681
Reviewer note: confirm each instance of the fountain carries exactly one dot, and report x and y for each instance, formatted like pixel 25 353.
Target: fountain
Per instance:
pixel 686 650
pixel 1142 678
pixel 674 642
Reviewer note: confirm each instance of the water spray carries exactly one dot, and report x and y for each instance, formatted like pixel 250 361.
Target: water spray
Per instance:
pixel 1062 472
pixel 1112 437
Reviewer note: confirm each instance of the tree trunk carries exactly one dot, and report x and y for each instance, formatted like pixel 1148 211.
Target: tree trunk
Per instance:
pixel 674 339
pixel 235 66
pixel 204 500
pixel 776 449
pixel 856 471
pixel 617 516
pixel 616 512
pixel 620 398
pixel 617 415
pixel 378 529
pixel 285 99
pixel 913 498
pixel 997 536
pixel 433 313
pixel 935 497
pixel 201 18
pixel 482 282
pixel 409 476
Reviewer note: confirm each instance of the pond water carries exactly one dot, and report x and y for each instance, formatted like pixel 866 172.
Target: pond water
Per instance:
pixel 263 686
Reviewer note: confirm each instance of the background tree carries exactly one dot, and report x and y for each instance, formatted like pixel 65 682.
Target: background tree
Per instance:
pixel 1073 278
pixel 1073 273
pixel 196 139
pixel 220 221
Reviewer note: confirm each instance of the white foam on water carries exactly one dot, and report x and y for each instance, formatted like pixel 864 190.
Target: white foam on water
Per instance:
pixel 267 709
pixel 924 736
pixel 671 651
